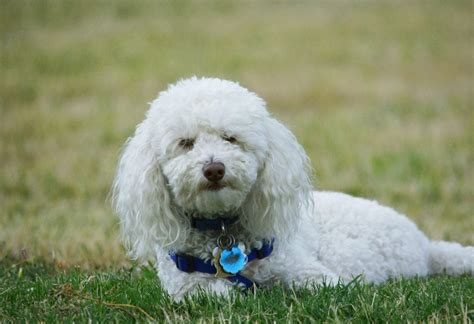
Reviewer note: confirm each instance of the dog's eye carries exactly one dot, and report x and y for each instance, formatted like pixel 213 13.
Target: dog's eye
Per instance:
pixel 230 139
pixel 187 143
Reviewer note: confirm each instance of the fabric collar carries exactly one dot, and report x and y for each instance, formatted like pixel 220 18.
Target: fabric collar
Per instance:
pixel 189 263
pixel 203 224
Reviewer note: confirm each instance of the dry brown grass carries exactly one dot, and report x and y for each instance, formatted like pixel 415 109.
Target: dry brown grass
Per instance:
pixel 380 95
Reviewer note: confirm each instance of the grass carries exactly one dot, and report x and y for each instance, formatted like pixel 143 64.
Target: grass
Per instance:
pixel 124 295
pixel 380 94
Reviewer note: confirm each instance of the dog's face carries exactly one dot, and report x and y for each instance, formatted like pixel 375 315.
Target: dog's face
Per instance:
pixel 208 146
pixel 211 145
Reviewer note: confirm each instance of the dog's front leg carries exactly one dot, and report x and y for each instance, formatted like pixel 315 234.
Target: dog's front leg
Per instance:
pixel 302 273
pixel 179 284
pixel 309 276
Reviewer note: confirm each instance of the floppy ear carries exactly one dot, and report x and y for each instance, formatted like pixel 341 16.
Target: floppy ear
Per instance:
pixel 141 199
pixel 283 187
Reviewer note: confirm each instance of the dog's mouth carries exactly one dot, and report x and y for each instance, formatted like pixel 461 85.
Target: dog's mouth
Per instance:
pixel 215 186
pixel 211 186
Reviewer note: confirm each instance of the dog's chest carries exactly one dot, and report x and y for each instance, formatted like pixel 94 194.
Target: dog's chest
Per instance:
pixel 203 243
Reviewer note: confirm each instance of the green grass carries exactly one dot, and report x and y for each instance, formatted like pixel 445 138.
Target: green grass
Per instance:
pixel 380 94
pixel 35 291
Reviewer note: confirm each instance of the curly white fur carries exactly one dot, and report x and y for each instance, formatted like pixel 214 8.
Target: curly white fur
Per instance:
pixel 319 235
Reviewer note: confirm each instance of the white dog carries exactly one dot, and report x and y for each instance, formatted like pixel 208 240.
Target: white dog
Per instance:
pixel 218 193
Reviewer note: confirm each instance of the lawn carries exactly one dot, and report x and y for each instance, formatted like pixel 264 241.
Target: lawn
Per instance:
pixel 380 94
pixel 35 291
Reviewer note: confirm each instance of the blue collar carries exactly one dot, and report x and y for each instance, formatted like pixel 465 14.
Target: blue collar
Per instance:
pixel 188 263
pixel 202 224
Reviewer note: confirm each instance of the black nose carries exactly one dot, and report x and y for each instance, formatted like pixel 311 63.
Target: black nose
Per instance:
pixel 214 171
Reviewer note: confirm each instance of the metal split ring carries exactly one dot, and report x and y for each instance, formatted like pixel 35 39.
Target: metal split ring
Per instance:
pixel 225 241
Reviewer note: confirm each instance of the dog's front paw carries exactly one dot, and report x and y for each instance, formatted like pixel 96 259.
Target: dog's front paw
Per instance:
pixel 220 288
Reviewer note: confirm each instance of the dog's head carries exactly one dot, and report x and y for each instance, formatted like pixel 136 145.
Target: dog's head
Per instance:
pixel 208 147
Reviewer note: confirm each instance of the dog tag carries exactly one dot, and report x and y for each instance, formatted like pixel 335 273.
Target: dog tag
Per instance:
pixel 217 263
pixel 233 260
pixel 229 258
pixel 229 262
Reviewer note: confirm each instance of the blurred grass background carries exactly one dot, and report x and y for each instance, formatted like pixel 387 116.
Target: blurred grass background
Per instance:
pixel 380 94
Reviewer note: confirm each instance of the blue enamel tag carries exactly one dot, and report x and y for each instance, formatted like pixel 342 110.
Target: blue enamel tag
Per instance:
pixel 233 260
